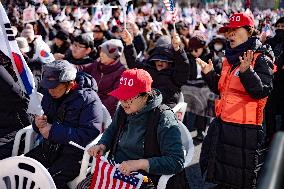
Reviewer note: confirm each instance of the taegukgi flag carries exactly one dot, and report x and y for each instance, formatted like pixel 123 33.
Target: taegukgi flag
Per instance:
pixel 10 48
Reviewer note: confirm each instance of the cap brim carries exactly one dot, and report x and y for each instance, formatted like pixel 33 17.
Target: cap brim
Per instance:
pixel 121 94
pixel 49 84
pixel 160 58
pixel 224 29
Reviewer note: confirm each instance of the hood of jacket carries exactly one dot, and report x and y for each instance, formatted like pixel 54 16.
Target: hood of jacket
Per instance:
pixel 266 49
pixel 152 103
pixel 85 80
pixel 164 52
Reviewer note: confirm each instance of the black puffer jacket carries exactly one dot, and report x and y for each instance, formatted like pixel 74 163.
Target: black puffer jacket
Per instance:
pixel 232 153
pixel 167 81
pixel 14 105
pixel 277 44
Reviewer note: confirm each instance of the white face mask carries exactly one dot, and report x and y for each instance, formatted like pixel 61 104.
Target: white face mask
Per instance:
pixel 218 46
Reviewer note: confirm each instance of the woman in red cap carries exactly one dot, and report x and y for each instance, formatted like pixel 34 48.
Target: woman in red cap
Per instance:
pixel 231 152
pixel 144 134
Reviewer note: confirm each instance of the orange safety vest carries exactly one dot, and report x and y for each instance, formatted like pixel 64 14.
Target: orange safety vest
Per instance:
pixel 235 105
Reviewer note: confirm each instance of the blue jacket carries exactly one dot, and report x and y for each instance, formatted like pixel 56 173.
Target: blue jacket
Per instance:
pixel 131 142
pixel 75 116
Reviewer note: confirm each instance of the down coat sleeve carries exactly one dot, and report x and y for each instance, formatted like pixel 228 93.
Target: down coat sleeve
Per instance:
pixel 212 79
pixel 258 81
pixel 131 57
pixel 181 67
pixel 86 129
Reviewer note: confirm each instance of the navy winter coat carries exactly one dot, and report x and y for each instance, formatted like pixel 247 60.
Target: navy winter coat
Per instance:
pixel 76 116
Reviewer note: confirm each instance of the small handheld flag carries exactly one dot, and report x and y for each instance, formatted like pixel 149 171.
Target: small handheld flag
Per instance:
pixel 170 6
pixel 108 176
pixel 123 3
pixel 10 49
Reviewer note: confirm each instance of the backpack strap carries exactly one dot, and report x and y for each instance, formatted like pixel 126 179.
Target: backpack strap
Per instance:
pixel 151 144
pixel 121 123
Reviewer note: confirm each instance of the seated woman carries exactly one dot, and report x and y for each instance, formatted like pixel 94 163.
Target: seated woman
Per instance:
pixel 138 141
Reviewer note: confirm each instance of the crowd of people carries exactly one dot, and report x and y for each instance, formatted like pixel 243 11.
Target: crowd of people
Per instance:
pixel 228 65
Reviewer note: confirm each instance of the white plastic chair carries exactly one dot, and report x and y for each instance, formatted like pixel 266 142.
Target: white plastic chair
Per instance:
pixel 180 108
pixel 188 146
pixel 29 138
pixel 21 170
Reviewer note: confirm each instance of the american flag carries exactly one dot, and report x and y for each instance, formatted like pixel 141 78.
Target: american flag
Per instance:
pixel 131 16
pixel 170 6
pixel 108 176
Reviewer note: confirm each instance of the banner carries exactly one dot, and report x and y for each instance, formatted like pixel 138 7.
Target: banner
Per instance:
pixel 29 15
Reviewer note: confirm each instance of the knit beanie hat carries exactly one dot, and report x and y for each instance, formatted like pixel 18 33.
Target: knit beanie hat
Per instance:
pixel 112 48
pixel 196 42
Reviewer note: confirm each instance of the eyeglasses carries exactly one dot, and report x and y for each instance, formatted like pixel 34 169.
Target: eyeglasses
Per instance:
pixel 77 45
pixel 130 101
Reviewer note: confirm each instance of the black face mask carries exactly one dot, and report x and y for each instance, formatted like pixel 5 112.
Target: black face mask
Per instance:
pixel 280 34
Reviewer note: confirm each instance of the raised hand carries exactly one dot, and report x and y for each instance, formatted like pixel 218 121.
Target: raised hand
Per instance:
pixel 205 68
pixel 176 41
pixel 126 37
pixel 246 61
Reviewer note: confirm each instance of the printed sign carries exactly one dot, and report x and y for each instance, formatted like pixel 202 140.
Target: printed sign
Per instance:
pixel 29 15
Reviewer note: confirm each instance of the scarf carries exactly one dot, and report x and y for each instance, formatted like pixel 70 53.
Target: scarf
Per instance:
pixel 233 54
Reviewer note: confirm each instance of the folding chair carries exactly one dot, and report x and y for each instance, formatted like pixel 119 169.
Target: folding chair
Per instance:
pixel 24 172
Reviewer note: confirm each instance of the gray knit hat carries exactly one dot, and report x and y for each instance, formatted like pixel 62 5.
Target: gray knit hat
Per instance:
pixel 112 48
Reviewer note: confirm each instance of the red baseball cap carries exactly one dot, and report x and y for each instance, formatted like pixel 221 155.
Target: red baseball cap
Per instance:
pixel 132 83
pixel 238 20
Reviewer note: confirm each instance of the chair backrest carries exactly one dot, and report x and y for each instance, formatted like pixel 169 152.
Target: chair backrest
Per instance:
pixel 188 146
pixel 106 119
pixel 26 172
pixel 187 143
pixel 181 97
pixel 180 110
pixel 30 137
